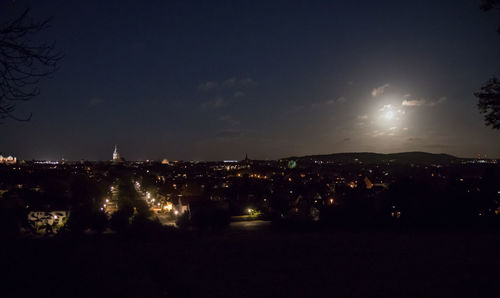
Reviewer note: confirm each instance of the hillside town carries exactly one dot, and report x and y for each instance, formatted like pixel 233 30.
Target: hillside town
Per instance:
pixel 345 189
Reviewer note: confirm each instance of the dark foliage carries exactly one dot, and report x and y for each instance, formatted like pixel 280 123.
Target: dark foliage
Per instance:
pixel 12 217
pixel 144 228
pixel 209 215
pixel 183 221
pixel 489 102
pixel 489 94
pixel 487 5
pixel 120 221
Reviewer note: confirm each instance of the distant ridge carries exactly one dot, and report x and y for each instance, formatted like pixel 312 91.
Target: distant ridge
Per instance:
pixel 370 157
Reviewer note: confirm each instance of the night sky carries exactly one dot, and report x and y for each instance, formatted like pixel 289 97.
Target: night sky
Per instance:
pixel 211 80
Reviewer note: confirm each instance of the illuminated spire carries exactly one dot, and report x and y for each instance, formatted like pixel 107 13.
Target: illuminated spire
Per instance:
pixel 116 155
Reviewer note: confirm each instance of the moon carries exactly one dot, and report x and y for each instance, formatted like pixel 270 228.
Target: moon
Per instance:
pixel 389 115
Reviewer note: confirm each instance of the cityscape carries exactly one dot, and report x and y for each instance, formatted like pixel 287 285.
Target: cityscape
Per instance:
pixel 342 189
pixel 249 148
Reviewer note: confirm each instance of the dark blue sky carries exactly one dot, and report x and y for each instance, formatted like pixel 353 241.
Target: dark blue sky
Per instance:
pixel 215 79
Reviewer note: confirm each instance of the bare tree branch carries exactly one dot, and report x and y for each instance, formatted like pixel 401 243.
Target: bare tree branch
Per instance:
pixel 23 63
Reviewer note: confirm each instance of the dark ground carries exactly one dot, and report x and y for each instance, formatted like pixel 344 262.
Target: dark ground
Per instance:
pixel 256 264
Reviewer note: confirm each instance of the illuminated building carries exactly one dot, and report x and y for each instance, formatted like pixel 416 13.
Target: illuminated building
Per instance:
pixel 7 160
pixel 116 155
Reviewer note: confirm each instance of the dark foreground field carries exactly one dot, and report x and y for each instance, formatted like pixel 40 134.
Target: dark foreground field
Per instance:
pixel 257 264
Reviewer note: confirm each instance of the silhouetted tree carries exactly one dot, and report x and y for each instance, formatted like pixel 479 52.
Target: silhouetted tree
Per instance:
pixel 487 5
pixel 489 102
pixel 489 94
pixel 120 221
pixel 206 214
pixel 98 222
pixel 12 215
pixel 23 62
pixel 144 228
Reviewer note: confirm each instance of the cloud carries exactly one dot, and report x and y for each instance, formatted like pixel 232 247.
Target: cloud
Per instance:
pixel 439 101
pixel 422 102
pixel 379 90
pixel 208 85
pixel 229 120
pixel 415 139
pixel 341 99
pixel 362 120
pixel 229 83
pixel 225 93
pixel 235 83
pixel 217 102
pixel 329 102
pixel 248 82
pixel 413 102
pixel 386 107
pixel 378 133
pixel 231 88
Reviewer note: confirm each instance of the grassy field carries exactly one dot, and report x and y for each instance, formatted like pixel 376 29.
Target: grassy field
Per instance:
pixel 256 264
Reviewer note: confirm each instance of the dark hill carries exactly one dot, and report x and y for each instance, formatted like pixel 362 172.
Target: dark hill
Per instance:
pixel 369 157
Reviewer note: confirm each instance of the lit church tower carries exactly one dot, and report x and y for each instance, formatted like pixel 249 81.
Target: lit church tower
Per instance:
pixel 116 155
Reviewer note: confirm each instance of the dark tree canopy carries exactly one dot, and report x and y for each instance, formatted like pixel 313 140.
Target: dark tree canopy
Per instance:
pixel 487 5
pixel 489 102
pixel 489 94
pixel 23 62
